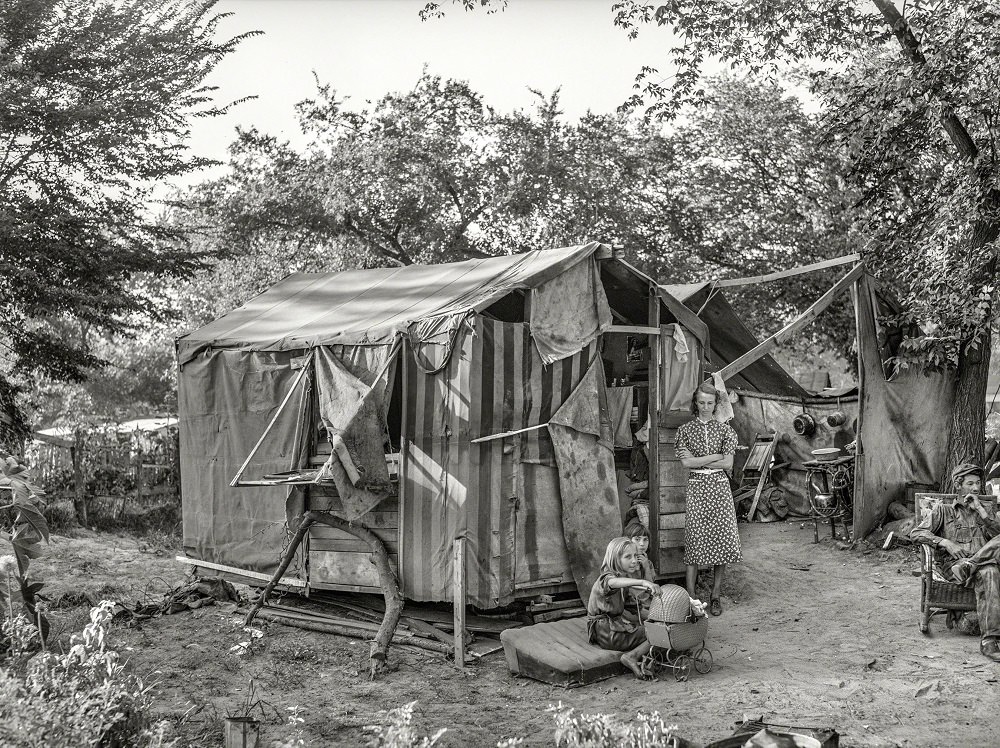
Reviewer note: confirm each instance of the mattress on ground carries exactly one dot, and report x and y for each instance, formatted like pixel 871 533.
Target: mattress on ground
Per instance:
pixel 559 653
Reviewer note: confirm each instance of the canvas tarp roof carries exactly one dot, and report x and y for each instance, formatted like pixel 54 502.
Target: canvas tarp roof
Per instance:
pixel 730 338
pixel 374 306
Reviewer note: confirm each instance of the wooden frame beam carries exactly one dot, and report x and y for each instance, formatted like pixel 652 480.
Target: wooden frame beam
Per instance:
pixel 791 272
pixel 635 329
pixel 735 367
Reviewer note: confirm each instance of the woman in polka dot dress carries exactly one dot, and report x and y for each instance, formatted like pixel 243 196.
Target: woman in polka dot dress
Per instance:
pixel 706 447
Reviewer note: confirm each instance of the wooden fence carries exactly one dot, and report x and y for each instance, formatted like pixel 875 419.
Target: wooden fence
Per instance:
pixel 108 470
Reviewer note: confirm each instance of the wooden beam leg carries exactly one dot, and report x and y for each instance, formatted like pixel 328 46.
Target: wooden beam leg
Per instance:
pixel 458 600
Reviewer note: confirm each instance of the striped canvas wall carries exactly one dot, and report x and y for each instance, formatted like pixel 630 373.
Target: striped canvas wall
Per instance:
pixel 493 382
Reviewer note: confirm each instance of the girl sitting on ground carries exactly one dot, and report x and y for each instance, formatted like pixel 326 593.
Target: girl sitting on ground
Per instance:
pixel 607 625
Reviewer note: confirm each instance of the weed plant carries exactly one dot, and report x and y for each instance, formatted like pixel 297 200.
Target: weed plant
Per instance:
pixel 82 697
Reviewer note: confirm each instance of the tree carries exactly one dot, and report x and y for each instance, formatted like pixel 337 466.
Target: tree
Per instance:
pixel 428 175
pixel 764 190
pixel 96 99
pixel 911 95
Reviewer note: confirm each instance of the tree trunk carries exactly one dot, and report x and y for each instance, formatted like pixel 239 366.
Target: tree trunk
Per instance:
pixel 968 416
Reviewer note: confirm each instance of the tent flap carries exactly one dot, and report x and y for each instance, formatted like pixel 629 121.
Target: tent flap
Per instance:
pixel 351 412
pixel 581 436
pixel 569 311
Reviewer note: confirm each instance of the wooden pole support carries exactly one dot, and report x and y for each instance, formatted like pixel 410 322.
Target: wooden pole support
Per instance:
pixel 458 599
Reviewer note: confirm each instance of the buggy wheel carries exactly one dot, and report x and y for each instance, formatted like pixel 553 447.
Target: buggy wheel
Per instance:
pixel 703 660
pixel 682 668
pixel 649 666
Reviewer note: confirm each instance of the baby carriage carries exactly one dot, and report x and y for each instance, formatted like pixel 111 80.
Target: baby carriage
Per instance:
pixel 676 635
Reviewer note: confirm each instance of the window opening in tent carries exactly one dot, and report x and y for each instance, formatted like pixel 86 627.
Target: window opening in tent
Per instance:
pixel 295 399
pixel 508 308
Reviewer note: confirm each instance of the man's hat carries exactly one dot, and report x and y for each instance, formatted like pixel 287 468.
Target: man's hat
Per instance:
pixel 966 468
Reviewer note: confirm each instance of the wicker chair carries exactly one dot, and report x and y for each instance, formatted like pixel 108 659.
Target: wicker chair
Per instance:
pixel 937 596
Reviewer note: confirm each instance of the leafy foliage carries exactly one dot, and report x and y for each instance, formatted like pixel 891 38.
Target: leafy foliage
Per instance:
pixel 96 100
pixel 428 175
pixel 81 697
pixel 578 730
pixel 572 730
pixel 27 530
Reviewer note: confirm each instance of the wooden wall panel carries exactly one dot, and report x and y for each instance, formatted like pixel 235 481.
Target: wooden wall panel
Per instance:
pixel 672 522
pixel 345 569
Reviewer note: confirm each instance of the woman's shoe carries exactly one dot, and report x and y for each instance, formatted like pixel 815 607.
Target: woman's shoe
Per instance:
pixel 716 607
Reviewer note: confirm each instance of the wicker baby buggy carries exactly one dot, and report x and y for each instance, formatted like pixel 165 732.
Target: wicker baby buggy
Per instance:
pixel 678 644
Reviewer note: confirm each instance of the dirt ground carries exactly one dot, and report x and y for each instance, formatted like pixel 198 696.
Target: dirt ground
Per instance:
pixel 811 634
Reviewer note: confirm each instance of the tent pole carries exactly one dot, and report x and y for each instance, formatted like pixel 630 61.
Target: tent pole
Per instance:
pixel 458 600
pixel 653 409
pixel 857 288
pixel 781 274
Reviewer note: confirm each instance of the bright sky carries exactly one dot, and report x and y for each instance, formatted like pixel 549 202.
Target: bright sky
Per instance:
pixel 366 48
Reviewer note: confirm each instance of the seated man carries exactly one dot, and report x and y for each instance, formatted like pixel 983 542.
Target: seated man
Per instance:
pixel 957 530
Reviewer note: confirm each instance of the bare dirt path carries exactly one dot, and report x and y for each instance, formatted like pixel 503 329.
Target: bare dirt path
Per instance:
pixel 811 635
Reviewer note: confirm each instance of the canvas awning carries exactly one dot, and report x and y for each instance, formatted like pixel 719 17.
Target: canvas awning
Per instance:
pixel 730 339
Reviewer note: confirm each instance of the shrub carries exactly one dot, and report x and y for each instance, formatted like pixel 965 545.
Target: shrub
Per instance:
pixel 84 697
pixel 575 730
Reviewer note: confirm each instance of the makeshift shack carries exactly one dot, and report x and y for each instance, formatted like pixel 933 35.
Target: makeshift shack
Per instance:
pixel 900 418
pixel 481 400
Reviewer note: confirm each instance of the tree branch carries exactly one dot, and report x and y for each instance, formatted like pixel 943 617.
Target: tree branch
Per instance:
pixel 957 132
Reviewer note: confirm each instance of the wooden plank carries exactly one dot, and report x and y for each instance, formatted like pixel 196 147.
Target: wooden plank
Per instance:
pixel 352 545
pixel 458 600
pixel 670 561
pixel 555 615
pixel 344 568
pixel 672 521
pixel 287 581
pixel 378 522
pixel 332 587
pixel 672 499
pixel 836 262
pixel 667 434
pixel 636 329
pixel 672 419
pixel 421 627
pixel 671 538
pixel 484 646
pixel 755 354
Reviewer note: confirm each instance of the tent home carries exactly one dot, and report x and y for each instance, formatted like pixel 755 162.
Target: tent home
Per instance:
pixel 492 400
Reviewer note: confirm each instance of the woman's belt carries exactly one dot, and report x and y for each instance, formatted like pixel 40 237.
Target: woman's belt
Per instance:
pixel 707 471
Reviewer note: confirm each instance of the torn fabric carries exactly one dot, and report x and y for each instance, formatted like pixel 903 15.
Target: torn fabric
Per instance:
pixel 352 414
pixel 620 410
pixel 582 438
pixel 569 311
pixel 432 340
pixel 679 376
pixel 723 405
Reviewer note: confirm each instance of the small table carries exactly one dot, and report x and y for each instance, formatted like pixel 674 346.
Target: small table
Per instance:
pixel 833 478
